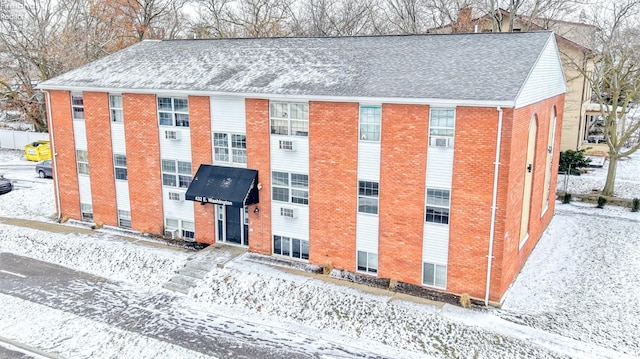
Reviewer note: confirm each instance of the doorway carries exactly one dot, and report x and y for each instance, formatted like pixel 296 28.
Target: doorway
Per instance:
pixel 232 225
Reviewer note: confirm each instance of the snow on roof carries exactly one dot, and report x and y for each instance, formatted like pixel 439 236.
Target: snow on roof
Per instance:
pixel 480 67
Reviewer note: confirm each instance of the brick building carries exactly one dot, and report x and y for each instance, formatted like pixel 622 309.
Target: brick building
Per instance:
pixel 427 159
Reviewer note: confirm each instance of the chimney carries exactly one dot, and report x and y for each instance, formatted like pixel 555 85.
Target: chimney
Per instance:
pixel 464 22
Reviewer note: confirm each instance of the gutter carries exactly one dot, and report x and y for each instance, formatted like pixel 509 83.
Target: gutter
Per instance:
pixel 494 207
pixel 53 156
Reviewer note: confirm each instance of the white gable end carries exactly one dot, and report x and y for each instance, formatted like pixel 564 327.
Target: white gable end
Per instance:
pixel 546 78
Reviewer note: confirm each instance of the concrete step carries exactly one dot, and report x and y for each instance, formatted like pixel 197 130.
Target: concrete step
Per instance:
pixel 184 280
pixel 176 287
pixel 193 272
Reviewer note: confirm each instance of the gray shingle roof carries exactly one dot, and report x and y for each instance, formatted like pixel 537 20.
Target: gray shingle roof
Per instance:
pixel 477 67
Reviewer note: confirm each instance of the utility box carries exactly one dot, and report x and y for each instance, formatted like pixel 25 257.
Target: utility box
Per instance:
pixel 38 151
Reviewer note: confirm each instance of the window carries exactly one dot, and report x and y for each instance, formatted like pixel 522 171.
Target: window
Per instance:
pixel 434 275
pixel 86 210
pixel 173 111
pixel 368 197
pixel 77 106
pixel 188 230
pixel 124 219
pixel 437 210
pixel 115 108
pixel 185 229
pixel 367 262
pixel 441 127
pixel 292 247
pixel 289 119
pixel 370 117
pixel 176 173
pixel 82 159
pixel 290 187
pixel 237 147
pixel 120 165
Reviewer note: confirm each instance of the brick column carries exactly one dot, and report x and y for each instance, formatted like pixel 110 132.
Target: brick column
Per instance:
pixel 65 168
pixel 100 152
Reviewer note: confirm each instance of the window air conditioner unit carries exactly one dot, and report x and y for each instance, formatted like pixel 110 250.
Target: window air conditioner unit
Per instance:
pixel 172 135
pixel 441 141
pixel 287 145
pixel 288 212
pixel 176 196
pixel 171 233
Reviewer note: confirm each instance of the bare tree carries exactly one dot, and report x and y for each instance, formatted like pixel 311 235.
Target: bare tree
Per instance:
pixel 147 17
pixel 616 81
pixel 261 18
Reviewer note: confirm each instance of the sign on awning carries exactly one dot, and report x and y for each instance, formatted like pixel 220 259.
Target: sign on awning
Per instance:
pixel 229 186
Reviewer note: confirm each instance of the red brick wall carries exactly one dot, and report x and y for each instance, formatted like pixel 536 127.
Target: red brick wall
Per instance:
pixel 101 172
pixel 512 258
pixel 143 162
pixel 471 197
pixel 65 168
pixel 333 159
pixel 200 128
pixel 402 189
pixel 258 152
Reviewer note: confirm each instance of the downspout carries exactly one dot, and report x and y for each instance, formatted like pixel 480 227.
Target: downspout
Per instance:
pixel 494 201
pixel 53 155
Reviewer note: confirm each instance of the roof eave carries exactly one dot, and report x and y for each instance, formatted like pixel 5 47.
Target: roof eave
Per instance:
pixel 435 102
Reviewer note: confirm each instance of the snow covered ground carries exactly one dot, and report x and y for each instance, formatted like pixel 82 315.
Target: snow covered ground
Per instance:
pixel 574 297
pixel 627 179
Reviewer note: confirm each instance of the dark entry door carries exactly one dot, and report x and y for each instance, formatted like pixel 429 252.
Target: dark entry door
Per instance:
pixel 234 224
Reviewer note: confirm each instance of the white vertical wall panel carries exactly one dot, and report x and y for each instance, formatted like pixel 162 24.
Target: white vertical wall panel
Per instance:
pixel 228 115
pixel 546 79
pixel 290 161
pixel 291 227
pixel 369 160
pixel 122 195
pixel 176 209
pixel 175 149
pixel 435 247
pixel 117 137
pixel 80 135
pixel 439 167
pixel 367 232
pixel 84 188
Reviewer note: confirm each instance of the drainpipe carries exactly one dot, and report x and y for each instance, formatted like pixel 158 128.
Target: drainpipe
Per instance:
pixel 53 155
pixel 494 201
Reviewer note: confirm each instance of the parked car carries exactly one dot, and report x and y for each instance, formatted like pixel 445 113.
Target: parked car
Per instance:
pixel 43 169
pixel 5 185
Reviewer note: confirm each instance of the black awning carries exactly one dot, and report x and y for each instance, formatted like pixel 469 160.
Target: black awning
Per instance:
pixel 229 186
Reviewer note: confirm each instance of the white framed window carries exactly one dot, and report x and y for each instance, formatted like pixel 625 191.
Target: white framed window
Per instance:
pixel 434 275
pixel 291 247
pixel 82 160
pixel 441 127
pixel 231 148
pixel 176 173
pixel 437 209
pixel 290 187
pixel 120 166
pixel 289 119
pixel 370 119
pixel 188 230
pixel 77 106
pixel 367 262
pixel 179 228
pixel 173 111
pixel 115 108
pixel 86 212
pixel 124 219
pixel 368 197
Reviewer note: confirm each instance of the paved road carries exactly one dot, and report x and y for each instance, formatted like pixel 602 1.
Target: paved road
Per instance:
pixel 157 314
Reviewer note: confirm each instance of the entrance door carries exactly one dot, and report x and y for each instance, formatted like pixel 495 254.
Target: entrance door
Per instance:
pixel 232 225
